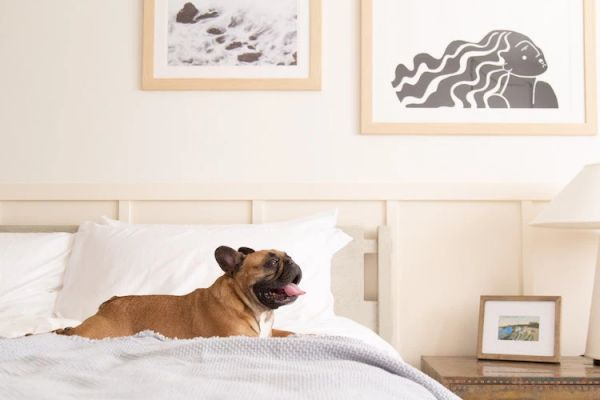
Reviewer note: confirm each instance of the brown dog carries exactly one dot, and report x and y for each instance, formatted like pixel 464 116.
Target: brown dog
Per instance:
pixel 241 302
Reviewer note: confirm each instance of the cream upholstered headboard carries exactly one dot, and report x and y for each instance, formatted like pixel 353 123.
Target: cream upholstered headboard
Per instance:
pixel 348 275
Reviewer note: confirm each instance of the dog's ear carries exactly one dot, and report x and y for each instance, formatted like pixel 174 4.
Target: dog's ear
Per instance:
pixel 246 250
pixel 229 260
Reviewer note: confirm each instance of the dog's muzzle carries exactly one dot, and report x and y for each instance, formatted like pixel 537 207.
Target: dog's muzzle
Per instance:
pixel 282 291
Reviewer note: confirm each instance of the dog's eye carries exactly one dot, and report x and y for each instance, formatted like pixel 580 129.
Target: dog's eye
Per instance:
pixel 273 262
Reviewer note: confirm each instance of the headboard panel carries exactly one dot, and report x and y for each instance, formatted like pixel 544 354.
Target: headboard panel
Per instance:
pixel 348 275
pixel 348 279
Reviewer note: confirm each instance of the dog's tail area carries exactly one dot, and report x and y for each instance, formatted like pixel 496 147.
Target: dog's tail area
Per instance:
pixel 63 331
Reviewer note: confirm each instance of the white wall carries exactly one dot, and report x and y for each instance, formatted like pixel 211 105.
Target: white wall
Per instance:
pixel 71 111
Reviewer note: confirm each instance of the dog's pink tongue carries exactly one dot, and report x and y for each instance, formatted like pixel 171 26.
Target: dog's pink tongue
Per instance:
pixel 292 290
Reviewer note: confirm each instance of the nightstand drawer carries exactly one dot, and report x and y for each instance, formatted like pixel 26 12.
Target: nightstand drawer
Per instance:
pixel 527 392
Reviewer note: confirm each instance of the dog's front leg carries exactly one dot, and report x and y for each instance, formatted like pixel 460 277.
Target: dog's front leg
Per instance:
pixel 278 333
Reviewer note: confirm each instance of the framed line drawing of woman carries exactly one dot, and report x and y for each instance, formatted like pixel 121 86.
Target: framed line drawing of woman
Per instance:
pixel 519 67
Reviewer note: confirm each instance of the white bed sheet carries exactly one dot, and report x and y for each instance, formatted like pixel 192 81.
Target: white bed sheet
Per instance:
pixel 335 326
pixel 20 326
pixel 340 326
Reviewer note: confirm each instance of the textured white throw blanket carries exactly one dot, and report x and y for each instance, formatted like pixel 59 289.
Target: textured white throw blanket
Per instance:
pixel 149 366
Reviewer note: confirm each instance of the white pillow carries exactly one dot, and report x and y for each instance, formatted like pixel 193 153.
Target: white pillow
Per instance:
pixel 116 259
pixel 31 271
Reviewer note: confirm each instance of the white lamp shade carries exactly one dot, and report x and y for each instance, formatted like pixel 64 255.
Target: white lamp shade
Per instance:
pixel 578 205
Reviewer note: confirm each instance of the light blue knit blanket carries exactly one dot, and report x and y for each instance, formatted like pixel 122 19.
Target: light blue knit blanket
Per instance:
pixel 149 366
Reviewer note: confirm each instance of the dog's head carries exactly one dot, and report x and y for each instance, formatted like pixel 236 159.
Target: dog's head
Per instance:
pixel 270 277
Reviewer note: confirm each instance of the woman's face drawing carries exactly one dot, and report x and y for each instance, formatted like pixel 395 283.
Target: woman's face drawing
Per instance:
pixel 524 58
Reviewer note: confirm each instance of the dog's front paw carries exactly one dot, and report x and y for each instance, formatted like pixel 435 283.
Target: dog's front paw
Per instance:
pixel 280 333
pixel 64 331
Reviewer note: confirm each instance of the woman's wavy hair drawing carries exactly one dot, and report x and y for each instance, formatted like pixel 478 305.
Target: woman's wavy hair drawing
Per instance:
pixel 501 71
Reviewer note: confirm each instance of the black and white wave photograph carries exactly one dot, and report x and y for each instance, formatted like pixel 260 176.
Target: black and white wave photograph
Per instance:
pixel 232 33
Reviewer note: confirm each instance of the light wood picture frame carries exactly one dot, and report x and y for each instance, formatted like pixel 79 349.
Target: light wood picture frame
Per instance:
pixel 204 48
pixel 412 85
pixel 529 326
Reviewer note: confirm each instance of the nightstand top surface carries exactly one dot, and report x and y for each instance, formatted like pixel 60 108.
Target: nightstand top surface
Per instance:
pixel 571 368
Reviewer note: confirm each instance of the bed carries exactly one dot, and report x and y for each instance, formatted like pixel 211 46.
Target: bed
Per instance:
pixel 345 356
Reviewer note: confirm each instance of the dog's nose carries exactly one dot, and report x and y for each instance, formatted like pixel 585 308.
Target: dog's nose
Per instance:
pixel 293 271
pixel 298 277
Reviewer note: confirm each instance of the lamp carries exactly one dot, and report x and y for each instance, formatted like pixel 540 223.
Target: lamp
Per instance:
pixel 578 207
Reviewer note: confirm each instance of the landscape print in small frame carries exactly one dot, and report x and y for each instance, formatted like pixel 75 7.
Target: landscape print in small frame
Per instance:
pixel 519 328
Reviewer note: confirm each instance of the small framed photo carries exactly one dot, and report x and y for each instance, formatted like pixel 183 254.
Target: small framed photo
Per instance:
pixel 232 45
pixel 519 328
pixel 472 67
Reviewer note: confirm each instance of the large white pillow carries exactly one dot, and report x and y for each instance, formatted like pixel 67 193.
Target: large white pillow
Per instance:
pixel 116 259
pixel 31 271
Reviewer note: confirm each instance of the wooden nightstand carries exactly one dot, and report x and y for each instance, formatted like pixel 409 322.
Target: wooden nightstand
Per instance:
pixel 574 379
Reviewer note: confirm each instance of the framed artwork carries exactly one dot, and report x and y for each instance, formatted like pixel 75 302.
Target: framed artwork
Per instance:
pixel 232 45
pixel 472 67
pixel 519 328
